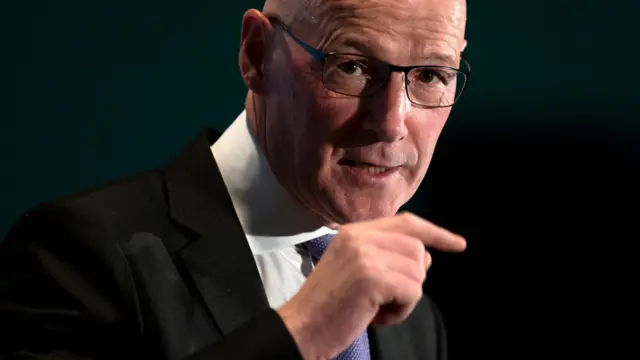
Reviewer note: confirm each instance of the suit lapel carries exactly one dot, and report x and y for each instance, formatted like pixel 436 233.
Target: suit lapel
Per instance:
pixel 219 261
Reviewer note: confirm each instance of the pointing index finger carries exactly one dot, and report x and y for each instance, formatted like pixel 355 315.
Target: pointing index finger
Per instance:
pixel 431 235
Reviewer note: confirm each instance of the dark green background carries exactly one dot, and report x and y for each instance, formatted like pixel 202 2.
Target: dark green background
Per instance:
pixel 92 91
pixel 535 168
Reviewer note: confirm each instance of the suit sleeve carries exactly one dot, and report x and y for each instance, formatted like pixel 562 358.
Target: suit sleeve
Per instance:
pixel 66 293
pixel 441 332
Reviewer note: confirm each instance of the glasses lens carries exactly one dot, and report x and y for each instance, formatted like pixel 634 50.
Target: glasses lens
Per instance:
pixel 435 86
pixel 353 74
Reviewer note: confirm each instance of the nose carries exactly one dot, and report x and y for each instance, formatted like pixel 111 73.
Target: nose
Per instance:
pixel 389 108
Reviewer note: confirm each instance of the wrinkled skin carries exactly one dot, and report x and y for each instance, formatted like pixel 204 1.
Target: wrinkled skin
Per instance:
pixel 306 130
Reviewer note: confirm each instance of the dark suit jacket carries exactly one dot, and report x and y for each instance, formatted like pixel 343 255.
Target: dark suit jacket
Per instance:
pixel 156 267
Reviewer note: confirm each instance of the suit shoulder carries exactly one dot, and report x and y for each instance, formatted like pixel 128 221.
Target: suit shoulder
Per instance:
pixel 119 194
pixel 142 193
pixel 100 211
pixel 63 276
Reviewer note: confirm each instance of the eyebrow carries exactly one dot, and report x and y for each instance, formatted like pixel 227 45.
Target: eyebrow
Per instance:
pixel 432 58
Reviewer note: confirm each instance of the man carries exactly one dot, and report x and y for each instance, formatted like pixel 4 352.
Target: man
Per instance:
pixel 285 243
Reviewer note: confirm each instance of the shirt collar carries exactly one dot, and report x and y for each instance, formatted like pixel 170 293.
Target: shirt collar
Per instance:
pixel 270 217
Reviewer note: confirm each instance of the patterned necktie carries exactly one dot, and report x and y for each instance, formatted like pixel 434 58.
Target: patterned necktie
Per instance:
pixel 359 349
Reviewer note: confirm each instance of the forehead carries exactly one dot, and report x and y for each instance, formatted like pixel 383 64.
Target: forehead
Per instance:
pixel 399 31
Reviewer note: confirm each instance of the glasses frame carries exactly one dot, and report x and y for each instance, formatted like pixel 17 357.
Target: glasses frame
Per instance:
pixel 321 57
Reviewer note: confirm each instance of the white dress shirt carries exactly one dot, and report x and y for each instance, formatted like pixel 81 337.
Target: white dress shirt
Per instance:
pixel 274 223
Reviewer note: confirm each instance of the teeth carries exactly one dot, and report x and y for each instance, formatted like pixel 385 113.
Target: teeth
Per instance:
pixel 372 169
pixel 376 170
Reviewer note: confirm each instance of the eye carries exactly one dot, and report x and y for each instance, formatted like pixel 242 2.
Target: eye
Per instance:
pixel 427 76
pixel 435 77
pixel 351 67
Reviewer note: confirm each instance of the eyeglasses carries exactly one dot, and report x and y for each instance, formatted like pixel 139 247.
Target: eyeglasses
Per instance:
pixel 362 76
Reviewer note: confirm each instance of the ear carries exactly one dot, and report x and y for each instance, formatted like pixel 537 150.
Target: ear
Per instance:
pixel 254 47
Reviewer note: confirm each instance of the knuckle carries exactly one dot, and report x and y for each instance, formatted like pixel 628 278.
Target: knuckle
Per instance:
pixel 417 293
pixel 369 274
pixel 369 277
pixel 362 259
pixel 362 252
pixel 346 231
pixel 417 272
pixel 347 241
pixel 408 218
pixel 421 275
pixel 411 293
pixel 428 260
pixel 411 220
pixel 418 250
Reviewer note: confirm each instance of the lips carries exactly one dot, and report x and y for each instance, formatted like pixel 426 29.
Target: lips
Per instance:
pixel 368 167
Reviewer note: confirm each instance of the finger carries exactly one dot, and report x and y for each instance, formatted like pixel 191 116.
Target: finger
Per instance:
pixel 427 261
pixel 408 246
pixel 430 234
pixel 402 296
pixel 392 263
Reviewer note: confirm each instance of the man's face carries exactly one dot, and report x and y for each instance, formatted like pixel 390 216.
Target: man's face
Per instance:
pixel 319 143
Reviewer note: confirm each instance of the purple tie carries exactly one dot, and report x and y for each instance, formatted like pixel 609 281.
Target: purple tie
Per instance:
pixel 359 349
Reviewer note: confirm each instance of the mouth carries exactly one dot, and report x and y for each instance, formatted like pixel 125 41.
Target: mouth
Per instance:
pixel 369 168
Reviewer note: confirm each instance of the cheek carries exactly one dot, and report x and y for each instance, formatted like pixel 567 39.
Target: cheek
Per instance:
pixel 326 109
pixel 328 118
pixel 310 115
pixel 321 113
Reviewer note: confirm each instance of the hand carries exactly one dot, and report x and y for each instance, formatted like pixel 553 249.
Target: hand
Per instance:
pixel 372 273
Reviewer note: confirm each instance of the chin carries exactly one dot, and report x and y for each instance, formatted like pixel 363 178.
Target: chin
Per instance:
pixel 364 209
pixel 358 216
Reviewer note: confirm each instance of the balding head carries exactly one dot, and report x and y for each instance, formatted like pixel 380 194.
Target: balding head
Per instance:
pixel 291 11
pixel 321 140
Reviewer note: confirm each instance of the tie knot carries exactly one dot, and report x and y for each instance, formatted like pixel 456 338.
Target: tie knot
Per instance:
pixel 318 245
